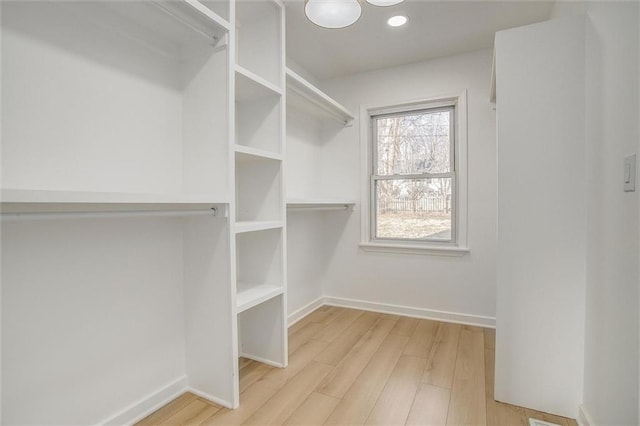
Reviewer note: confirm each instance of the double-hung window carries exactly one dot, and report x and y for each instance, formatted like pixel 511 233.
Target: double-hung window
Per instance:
pixel 414 177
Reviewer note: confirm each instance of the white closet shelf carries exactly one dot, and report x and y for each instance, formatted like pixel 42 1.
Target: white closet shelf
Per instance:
pixel 320 204
pixel 251 86
pixel 247 153
pixel 181 22
pixel 313 100
pixel 52 201
pixel 252 226
pixel 250 295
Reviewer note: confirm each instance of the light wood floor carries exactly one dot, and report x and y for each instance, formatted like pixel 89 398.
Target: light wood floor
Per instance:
pixel 354 367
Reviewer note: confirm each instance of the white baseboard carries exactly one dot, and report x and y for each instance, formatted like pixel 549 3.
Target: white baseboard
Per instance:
pixel 584 419
pixel 210 397
pixel 147 405
pixel 453 317
pixel 262 360
pixel 304 311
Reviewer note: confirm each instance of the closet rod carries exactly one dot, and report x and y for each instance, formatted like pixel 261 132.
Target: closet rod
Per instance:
pixel 340 207
pixel 108 214
pixel 214 39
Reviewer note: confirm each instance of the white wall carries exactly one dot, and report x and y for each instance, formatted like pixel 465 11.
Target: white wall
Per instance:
pixel 464 285
pixel 611 376
pixel 92 317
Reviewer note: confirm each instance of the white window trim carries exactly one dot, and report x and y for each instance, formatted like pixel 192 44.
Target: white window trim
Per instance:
pixel 460 247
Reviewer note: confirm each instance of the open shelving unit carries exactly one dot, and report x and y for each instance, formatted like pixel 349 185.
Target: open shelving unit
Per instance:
pixel 259 243
pixel 162 123
pixel 318 202
pixel 129 127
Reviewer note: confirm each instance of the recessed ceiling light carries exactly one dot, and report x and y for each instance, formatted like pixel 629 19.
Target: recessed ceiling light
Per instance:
pixel 397 21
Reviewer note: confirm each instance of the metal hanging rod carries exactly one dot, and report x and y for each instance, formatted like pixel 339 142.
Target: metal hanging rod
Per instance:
pixel 108 214
pixel 336 207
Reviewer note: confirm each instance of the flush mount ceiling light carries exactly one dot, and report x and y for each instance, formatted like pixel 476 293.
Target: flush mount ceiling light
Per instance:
pixel 384 2
pixel 332 13
pixel 338 13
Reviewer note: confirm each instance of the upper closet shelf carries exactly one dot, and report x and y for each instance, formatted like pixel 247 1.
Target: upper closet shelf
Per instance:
pixel 304 95
pixel 251 86
pixel 320 204
pixel 183 22
pixel 21 201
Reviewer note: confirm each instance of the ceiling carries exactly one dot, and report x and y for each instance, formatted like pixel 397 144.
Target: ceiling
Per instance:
pixel 435 29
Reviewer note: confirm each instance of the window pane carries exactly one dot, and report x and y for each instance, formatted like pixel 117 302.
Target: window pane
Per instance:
pixel 414 209
pixel 414 143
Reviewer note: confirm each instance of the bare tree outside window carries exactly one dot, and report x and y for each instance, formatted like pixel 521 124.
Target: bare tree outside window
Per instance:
pixel 414 175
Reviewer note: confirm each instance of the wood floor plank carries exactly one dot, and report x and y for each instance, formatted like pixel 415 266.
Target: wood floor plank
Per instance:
pixel 314 411
pixel 430 406
pixel 243 362
pixel 193 414
pixel 252 373
pixel 405 326
pixel 489 338
pixel 303 335
pixel 324 314
pixel 442 358
pixel 337 325
pixel 394 403
pixel 347 371
pixel 282 405
pixel 422 339
pixel 378 378
pixel 298 361
pixel 250 401
pixel 468 398
pixel 168 410
pixel 343 343
pixel 320 315
pixel 362 395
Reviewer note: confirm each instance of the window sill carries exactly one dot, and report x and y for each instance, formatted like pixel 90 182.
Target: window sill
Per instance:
pixel 413 249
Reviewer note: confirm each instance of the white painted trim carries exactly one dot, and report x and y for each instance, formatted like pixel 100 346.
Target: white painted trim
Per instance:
pixel 147 405
pixel 432 314
pixel 584 419
pixel 296 316
pixel 211 398
pixel 262 360
pixel 415 249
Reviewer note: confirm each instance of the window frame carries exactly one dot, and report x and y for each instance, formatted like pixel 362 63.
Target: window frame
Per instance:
pixel 457 246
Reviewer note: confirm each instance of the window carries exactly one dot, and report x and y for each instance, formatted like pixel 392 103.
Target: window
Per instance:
pixel 415 188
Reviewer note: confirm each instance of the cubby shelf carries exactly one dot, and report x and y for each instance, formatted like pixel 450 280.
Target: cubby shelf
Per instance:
pixel 246 153
pixel 249 295
pixel 251 86
pixel 303 94
pixel 253 226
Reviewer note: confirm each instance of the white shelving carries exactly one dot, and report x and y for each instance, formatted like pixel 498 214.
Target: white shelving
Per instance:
pixel 247 154
pixel 129 118
pixel 43 201
pixel 250 86
pixel 258 210
pixel 253 226
pixel 250 295
pixel 304 95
